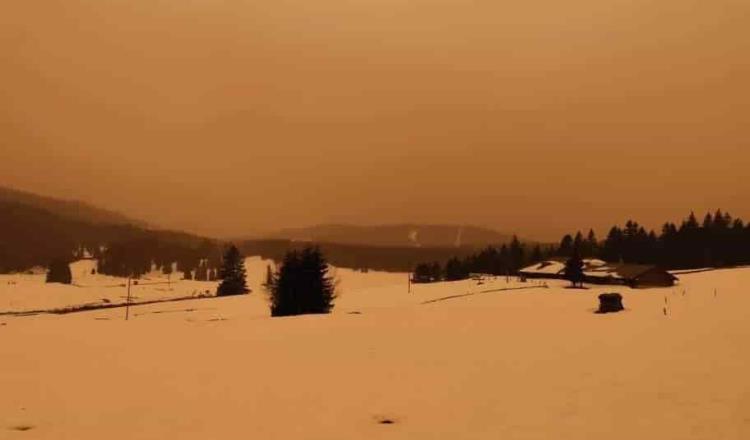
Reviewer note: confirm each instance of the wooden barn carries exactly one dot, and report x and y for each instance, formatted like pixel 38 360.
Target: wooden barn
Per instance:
pixel 639 275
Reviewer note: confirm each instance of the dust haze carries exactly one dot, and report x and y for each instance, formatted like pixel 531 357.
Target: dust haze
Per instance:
pixel 238 117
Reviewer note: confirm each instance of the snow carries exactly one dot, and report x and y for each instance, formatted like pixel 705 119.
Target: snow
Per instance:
pixel 25 292
pixel 448 360
pixel 551 267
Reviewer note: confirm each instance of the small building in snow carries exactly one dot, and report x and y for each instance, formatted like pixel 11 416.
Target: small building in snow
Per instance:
pixel 601 272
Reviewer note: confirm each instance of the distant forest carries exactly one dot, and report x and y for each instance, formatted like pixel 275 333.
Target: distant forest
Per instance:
pixel 36 234
pixel 718 241
pixel 31 236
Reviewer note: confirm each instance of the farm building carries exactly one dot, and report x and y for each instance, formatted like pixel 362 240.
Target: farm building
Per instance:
pixel 601 272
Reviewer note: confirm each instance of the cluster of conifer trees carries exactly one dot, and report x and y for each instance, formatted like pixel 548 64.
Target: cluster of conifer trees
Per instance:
pixel 719 240
pixel 138 256
pixel 301 284
pixel 503 260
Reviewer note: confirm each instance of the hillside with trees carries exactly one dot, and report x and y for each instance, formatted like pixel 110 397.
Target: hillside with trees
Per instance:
pixel 503 260
pixel 719 240
pixel 32 236
pixel 70 209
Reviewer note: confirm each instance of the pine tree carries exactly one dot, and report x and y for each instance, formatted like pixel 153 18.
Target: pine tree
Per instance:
pixel 612 250
pixel 578 243
pixel 536 255
pixel 436 272
pixel 591 245
pixel 516 254
pixel 574 270
pixel 455 270
pixel 302 285
pixel 232 274
pixel 566 246
pixel 422 273
pixel 270 278
pixel 59 272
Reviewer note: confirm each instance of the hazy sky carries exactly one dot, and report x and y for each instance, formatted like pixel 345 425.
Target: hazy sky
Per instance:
pixel 238 116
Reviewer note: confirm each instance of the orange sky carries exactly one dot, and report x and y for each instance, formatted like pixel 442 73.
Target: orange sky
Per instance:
pixel 234 117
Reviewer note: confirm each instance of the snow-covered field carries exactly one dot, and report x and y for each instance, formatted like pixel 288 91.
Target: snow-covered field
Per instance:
pixel 457 360
pixel 25 292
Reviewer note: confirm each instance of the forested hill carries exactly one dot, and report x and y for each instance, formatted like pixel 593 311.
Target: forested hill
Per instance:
pixel 69 209
pixel 33 236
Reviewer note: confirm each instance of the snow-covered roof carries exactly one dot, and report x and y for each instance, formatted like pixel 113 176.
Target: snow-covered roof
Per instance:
pixel 550 267
pixel 592 268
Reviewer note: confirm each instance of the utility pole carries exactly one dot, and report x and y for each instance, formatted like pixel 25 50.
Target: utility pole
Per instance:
pixel 127 302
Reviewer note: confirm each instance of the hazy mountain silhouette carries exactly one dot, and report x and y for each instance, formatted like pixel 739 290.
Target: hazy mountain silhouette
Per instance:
pixel 402 235
pixel 35 230
pixel 68 209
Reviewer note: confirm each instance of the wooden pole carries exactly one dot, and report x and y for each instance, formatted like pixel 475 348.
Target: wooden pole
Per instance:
pixel 127 302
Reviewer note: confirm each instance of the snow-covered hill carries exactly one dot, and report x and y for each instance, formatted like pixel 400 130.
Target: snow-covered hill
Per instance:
pixel 462 360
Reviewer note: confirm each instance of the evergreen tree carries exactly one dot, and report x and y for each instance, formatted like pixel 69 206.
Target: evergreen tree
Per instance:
pixel 613 246
pixel 536 255
pixel 590 245
pixel 232 274
pixel 516 254
pixel 422 273
pixel 455 270
pixel 59 272
pixel 566 246
pixel 270 278
pixel 503 261
pixel 436 272
pixel 578 243
pixel 302 285
pixel 574 270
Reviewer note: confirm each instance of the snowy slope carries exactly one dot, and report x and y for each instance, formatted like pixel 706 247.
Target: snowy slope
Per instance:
pixel 450 360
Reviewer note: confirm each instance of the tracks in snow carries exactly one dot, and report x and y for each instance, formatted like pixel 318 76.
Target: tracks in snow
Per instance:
pixel 506 289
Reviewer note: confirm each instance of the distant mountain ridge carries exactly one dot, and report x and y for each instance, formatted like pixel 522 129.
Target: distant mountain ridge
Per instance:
pixel 35 230
pixel 401 235
pixel 69 209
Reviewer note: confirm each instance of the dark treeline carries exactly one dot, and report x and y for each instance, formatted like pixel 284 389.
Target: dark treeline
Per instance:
pixel 31 236
pixel 360 257
pixel 140 255
pixel 719 240
pixel 504 260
